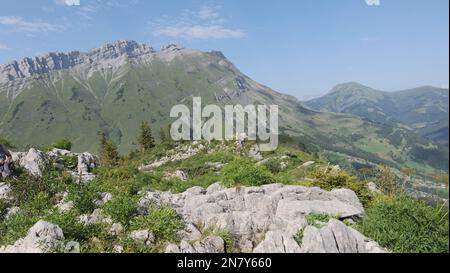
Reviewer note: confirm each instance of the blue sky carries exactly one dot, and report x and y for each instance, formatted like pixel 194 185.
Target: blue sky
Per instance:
pixel 300 47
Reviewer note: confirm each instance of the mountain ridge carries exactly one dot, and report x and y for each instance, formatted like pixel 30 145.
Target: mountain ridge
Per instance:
pixel 114 93
pixel 423 109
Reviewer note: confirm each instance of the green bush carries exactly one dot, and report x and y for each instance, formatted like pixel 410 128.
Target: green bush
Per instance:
pixel 244 172
pixel 273 165
pixel 404 225
pixel 83 197
pixel 63 144
pixel 74 230
pixel 163 221
pixel 329 181
pixel 70 162
pixel 122 208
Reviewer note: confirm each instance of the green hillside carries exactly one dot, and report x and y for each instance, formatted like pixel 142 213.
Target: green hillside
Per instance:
pixel 82 101
pixel 423 110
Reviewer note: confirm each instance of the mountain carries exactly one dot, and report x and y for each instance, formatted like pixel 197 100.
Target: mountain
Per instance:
pixel 114 87
pixel 424 110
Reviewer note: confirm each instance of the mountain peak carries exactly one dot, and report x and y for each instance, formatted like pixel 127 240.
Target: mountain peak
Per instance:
pixel 349 86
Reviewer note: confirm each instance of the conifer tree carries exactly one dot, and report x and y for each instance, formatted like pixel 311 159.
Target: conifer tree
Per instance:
pixel 109 156
pixel 145 137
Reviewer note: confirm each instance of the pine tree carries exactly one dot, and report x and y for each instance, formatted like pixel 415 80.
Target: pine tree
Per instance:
pixel 109 156
pixel 145 138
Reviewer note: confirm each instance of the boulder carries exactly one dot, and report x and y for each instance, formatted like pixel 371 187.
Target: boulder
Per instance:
pixel 104 197
pixel 336 237
pixel 116 229
pixel 33 162
pixel 144 236
pixel 42 237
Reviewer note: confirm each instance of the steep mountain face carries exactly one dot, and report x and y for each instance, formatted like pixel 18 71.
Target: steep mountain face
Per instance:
pixel 115 87
pixel 425 110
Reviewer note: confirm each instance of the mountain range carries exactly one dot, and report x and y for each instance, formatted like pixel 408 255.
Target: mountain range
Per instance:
pixel 424 110
pixel 114 87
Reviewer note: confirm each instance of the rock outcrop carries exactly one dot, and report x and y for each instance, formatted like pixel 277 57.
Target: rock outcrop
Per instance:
pixel 266 218
pixel 34 162
pixel 41 238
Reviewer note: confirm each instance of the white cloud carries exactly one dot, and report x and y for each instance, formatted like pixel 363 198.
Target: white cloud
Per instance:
pixel 3 47
pixel 198 32
pixel 18 24
pixel 208 13
pixel 206 23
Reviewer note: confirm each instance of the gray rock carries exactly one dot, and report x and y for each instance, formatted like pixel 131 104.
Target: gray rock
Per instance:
pixel 11 212
pixel 72 247
pixel 307 164
pixel 118 249
pixel 336 237
pixel 144 236
pixel 94 218
pixel 255 153
pixel 33 162
pixel 373 187
pixel 39 239
pixel 5 189
pixel 104 197
pixel 116 229
pixel 178 174
pixel 250 213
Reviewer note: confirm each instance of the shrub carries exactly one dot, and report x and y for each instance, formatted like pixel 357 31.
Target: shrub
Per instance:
pixel 63 144
pixel 404 225
pixel 273 165
pixel 329 181
pixel 163 221
pixel 74 230
pixel 70 162
pixel 122 208
pixel 246 173
pixel 298 237
pixel 83 197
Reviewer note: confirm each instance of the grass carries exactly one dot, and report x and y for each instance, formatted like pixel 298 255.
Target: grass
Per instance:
pixel 402 224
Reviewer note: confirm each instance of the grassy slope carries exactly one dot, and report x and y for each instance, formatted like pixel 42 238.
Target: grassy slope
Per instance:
pixel 117 101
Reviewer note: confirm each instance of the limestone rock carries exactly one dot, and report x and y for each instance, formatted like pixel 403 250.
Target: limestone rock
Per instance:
pixel 39 239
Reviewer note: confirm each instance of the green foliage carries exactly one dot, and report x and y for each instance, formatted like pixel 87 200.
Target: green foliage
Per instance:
pixel 83 197
pixel 402 224
pixel 318 220
pixel 273 165
pixel 109 156
pixel 16 227
pixel 25 187
pixel 70 162
pixel 244 172
pixel 145 137
pixel 330 180
pixel 163 221
pixel 298 237
pixel 229 239
pixel 122 208
pixel 74 230
pixel 6 142
pixel 63 144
